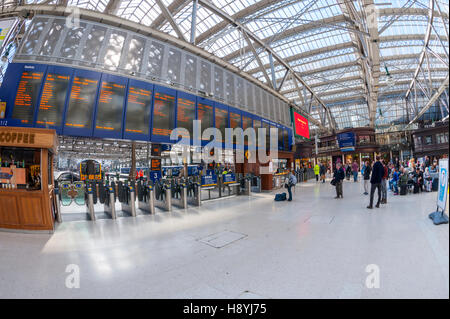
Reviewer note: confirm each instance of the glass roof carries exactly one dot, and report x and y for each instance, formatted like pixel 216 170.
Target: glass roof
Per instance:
pixel 316 38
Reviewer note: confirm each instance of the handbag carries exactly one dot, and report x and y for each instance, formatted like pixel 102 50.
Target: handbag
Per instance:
pixel 333 182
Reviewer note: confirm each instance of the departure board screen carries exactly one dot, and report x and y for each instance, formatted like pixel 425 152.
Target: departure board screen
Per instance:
pixel 163 114
pixel 221 122
pixel 235 120
pixel 246 123
pixel 26 97
pixel 138 110
pixel 205 114
pixel 280 138
pixel 110 106
pixel 81 102
pixel 185 115
pixel 53 99
pixel 267 127
pixel 256 126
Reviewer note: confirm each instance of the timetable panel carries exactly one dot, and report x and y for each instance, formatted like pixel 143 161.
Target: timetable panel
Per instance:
pixel 53 99
pixel 81 102
pixel 26 97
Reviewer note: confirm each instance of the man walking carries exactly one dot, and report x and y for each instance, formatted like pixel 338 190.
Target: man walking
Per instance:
pixel 384 183
pixel 355 168
pixel 375 181
pixel 339 176
pixel 322 172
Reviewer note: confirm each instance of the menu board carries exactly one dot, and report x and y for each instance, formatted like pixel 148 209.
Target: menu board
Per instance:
pixel 110 107
pixel 163 114
pixel 81 102
pixel 221 122
pixel 53 99
pixel 26 97
pixel 205 115
pixel 185 115
pixel 138 110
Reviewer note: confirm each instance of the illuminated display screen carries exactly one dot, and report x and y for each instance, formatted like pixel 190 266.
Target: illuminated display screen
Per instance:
pixel 221 122
pixel 81 103
pixel 301 125
pixel 163 114
pixel 26 97
pixel 110 107
pixel 138 110
pixel 235 120
pixel 280 138
pixel 267 127
pixel 205 114
pixel 256 126
pixel 246 122
pixel 155 164
pixel 186 114
pixel 53 99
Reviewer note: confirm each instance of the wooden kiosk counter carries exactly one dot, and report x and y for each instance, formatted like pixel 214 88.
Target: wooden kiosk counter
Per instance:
pixel 26 178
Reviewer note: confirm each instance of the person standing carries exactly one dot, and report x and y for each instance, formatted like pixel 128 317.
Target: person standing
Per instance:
pixel 367 171
pixel 384 183
pixel 375 181
pixel 317 171
pixel 339 176
pixel 290 181
pixel 355 168
pixel 322 172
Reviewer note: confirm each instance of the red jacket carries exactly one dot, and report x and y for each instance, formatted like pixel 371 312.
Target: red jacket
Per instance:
pixel 385 176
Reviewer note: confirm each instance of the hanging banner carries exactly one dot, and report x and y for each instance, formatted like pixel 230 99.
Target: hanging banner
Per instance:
pixel 443 183
pixel 5 27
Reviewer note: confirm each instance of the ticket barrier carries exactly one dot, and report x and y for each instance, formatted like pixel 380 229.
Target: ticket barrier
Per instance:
pixel 146 198
pixel 163 196
pixel 228 185
pixel 90 203
pixel 179 194
pixel 256 184
pixel 245 186
pixel 193 193
pixel 109 204
pixel 129 200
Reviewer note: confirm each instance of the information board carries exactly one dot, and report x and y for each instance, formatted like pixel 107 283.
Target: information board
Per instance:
pixel 286 139
pixel 235 120
pixel 26 97
pixel 185 115
pixel 81 102
pixel 221 122
pixel 246 123
pixel 139 102
pixel 346 141
pixel 53 99
pixel 443 183
pixel 163 114
pixel 301 125
pixel 205 115
pixel 110 106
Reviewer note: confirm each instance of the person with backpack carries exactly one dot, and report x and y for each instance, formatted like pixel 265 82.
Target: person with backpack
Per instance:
pixel 290 181
pixel 338 178
pixel 375 181
pixel 322 172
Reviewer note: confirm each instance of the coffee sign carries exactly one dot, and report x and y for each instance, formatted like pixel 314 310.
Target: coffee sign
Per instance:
pixel 28 137
pixel 17 138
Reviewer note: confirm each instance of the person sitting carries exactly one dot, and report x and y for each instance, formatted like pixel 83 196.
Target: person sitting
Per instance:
pixel 403 180
pixel 393 183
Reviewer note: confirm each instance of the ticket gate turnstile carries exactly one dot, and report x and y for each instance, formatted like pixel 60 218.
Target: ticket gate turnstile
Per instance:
pixel 193 194
pixel 90 204
pixel 146 203
pixel 128 205
pixel 182 201
pixel 163 196
pixel 109 205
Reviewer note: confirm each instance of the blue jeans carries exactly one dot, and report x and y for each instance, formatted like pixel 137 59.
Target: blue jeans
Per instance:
pixel 355 176
pixel 290 192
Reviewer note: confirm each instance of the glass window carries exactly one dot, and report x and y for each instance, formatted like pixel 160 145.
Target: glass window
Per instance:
pixel 20 167
pixel 428 140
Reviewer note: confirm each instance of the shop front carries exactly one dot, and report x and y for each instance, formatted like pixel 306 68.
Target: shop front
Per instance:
pixel 26 178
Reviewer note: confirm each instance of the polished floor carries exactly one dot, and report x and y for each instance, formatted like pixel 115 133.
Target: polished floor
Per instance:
pixel 242 247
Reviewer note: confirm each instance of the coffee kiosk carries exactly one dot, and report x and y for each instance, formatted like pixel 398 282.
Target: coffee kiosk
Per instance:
pixel 26 178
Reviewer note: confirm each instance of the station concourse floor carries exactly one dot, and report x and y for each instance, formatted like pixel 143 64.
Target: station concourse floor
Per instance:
pixel 241 247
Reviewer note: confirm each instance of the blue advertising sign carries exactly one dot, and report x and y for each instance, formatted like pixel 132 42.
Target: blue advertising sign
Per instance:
pixel 347 141
pixel 229 178
pixel 209 180
pixel 443 183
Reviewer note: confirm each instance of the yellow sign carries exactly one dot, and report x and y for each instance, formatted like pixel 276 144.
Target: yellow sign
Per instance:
pixel 2 110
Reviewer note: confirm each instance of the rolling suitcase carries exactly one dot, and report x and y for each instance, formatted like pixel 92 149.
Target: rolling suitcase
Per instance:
pixel 416 188
pixel 280 197
pixel 403 189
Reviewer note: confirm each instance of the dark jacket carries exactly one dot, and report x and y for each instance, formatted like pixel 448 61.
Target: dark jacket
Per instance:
pixel 367 172
pixel 339 174
pixel 377 173
pixel 323 170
